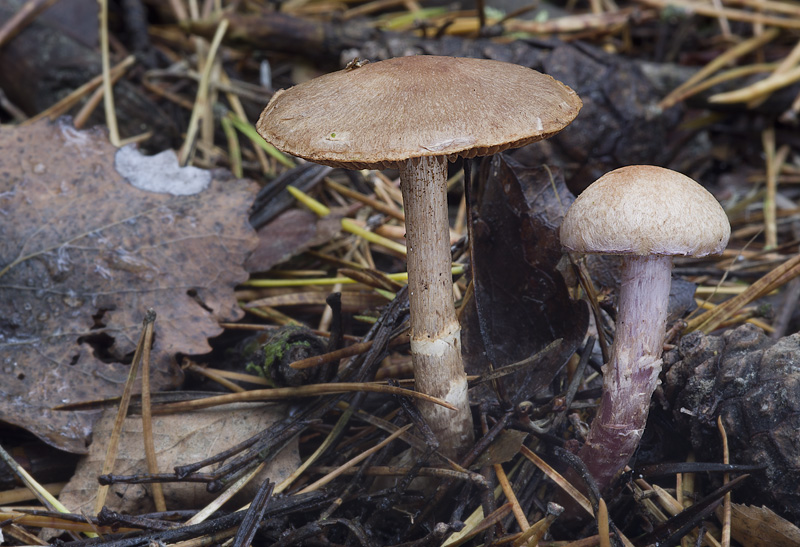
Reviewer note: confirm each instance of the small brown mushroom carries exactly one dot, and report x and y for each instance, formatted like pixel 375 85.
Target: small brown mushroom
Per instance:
pixel 415 114
pixel 647 214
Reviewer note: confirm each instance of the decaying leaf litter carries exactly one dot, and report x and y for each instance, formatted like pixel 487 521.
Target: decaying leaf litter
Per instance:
pixel 625 62
pixel 84 251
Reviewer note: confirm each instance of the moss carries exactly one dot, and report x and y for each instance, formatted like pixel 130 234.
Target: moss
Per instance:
pixel 270 359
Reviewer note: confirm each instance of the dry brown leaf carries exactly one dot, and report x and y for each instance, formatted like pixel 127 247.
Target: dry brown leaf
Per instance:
pixel 761 527
pixel 504 448
pixel 84 254
pixel 291 233
pixel 521 302
pixel 179 439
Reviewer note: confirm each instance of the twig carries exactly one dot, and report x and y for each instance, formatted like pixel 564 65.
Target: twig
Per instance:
pixel 586 283
pixel 108 90
pixel 758 89
pixel 769 5
pixel 20 20
pixel 223 498
pixel 725 76
pixel 367 200
pixel 112 447
pixel 147 419
pixel 369 8
pixel 179 10
pixel 349 351
pixel 282 393
pixel 779 276
pixel 255 513
pixel 46 498
pixel 603 529
pixel 234 151
pixel 16 495
pixel 732 54
pixel 726 503
pixel 66 523
pixel 790 116
pixel 70 100
pixel 774 161
pixel 534 534
pixel 187 150
pixel 770 226
pixel 519 514
pixel 468 533
pixel 385 471
pixel 221 376
pixel 238 109
pixel 573 23
pixel 88 108
pixel 724 25
pixel 341 423
pixel 6 104
pixel 788 62
pixel 352 462
pixel 732 14
pixel 556 477
pixel 348 224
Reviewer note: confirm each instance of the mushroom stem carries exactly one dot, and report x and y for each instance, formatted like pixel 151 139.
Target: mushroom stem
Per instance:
pixel 631 376
pixel 435 331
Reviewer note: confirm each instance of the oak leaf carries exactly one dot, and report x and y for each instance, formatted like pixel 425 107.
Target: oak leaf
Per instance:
pixel 84 254
pixel 179 439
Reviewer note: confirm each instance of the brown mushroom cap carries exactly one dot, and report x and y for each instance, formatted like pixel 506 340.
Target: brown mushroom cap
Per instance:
pixel 642 210
pixel 383 113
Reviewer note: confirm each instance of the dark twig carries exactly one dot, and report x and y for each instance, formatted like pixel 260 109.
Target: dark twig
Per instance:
pixel 670 532
pixel 484 442
pixel 255 513
pixel 577 379
pixel 666 469
pixel 279 507
pixel 416 418
pixel 107 517
pixel 435 537
pixel 579 467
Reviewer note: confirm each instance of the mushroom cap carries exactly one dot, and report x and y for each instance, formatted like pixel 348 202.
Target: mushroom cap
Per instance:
pixel 643 210
pixel 383 113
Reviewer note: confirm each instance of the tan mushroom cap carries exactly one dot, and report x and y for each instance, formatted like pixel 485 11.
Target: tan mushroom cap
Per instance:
pixel 386 112
pixel 643 209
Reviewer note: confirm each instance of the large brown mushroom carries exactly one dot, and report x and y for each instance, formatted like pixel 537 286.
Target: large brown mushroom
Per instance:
pixel 415 114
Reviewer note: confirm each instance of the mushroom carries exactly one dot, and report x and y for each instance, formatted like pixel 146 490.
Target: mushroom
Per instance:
pixel 415 114
pixel 646 214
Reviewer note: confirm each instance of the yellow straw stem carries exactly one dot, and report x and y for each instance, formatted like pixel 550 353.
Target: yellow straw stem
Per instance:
pixel 400 276
pixel 756 90
pixel 246 129
pixel 201 99
pixel 348 224
pixel 312 204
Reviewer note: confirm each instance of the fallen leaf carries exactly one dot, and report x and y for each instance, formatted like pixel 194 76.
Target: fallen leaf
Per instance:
pixel 83 255
pixel 274 197
pixel 761 527
pixel 521 302
pixel 179 439
pixel 503 449
pixel 291 233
